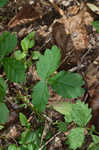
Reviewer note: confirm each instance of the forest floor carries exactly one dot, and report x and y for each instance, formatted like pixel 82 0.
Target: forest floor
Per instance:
pixel 68 25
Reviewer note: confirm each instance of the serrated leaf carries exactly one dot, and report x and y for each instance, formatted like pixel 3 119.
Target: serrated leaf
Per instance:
pixel 96 25
pixel 76 138
pixel 95 139
pixel 40 96
pixel 28 42
pixel 3 2
pixel 48 63
pixel 4 113
pixel 15 70
pixel 3 88
pixel 67 84
pixel 8 42
pixel 81 114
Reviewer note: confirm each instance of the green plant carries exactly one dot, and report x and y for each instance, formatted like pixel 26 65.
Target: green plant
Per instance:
pixel 96 25
pixel 14 67
pixel 66 84
pixel 29 140
pixel 27 43
pixel 3 2
pixel 80 115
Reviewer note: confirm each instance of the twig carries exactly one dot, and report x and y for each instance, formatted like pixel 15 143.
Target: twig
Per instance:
pixel 49 140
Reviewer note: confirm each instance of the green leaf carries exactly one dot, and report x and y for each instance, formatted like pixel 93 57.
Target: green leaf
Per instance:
pixel 12 147
pixel 93 146
pixel 75 138
pixel 62 126
pixel 19 55
pixel 15 70
pixel 3 2
pixel 48 63
pixel 63 107
pixel 4 113
pixel 81 114
pixel 28 137
pixel 95 139
pixel 96 25
pixel 40 96
pixel 36 55
pixel 8 42
pixel 23 120
pixel 1 127
pixel 3 88
pixel 28 42
pixel 67 84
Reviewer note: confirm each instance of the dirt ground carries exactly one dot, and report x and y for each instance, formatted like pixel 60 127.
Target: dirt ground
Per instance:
pixel 67 24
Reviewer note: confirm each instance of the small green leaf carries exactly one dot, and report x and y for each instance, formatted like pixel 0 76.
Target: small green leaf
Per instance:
pixel 29 136
pixel 36 55
pixel 75 138
pixel 1 127
pixel 67 84
pixel 96 25
pixel 93 146
pixel 81 114
pixel 28 42
pixel 4 113
pixel 8 42
pixel 3 88
pixel 23 120
pixel 62 126
pixel 3 2
pixel 48 63
pixel 95 139
pixel 12 147
pixel 19 55
pixel 15 70
pixel 40 96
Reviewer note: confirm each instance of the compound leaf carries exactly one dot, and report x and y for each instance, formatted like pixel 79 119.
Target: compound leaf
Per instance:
pixel 75 138
pixel 4 113
pixel 8 42
pixel 81 114
pixel 15 70
pixel 67 84
pixel 40 96
pixel 3 88
pixel 48 63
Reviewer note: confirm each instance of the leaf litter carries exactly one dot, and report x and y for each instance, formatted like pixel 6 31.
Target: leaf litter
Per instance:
pixel 71 30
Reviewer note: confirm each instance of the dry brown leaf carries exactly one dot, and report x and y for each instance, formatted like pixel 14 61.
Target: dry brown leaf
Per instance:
pixel 27 14
pixel 70 35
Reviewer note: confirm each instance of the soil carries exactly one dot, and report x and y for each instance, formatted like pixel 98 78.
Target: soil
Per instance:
pixel 67 24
